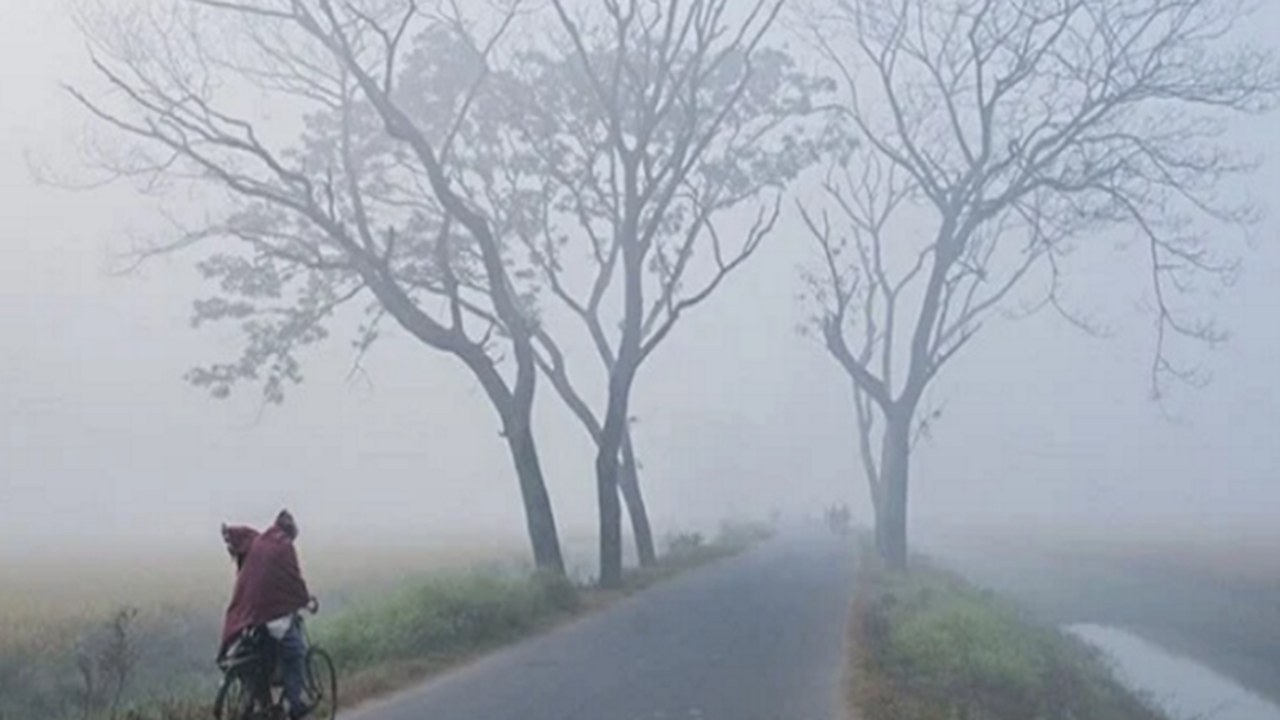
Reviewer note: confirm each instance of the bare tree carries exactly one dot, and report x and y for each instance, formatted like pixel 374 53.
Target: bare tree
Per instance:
pixel 709 126
pixel 659 120
pixel 371 193
pixel 992 137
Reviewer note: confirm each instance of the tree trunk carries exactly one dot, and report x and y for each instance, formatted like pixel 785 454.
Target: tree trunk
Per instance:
pixel 891 518
pixel 610 518
pixel 621 375
pixel 877 506
pixel 608 453
pixel 539 518
pixel 629 484
pixel 514 408
pixel 875 483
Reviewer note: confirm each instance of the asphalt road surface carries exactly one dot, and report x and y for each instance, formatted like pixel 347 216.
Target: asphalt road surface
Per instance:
pixel 755 637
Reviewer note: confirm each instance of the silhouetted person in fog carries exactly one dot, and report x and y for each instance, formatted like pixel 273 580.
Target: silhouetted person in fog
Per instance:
pixel 270 592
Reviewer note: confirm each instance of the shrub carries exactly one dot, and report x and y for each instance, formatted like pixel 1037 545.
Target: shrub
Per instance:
pixel 686 543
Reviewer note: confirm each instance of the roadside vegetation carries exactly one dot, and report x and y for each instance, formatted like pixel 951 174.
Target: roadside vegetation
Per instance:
pixel 926 644
pixel 154 661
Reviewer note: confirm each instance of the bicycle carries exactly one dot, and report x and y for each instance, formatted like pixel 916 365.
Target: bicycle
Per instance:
pixel 252 682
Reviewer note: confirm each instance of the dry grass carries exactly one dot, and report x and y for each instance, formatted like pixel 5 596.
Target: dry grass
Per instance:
pixel 1243 555
pixel 54 588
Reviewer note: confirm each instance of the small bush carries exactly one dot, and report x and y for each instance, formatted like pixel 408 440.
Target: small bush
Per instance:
pixel 686 543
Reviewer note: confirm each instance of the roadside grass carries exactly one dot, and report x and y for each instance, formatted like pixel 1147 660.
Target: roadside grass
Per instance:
pixel 927 645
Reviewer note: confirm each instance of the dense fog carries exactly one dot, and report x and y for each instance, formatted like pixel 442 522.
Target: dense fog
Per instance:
pixel 105 447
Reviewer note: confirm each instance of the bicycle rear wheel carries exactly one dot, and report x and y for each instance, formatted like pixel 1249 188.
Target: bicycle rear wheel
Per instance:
pixel 322 685
pixel 234 700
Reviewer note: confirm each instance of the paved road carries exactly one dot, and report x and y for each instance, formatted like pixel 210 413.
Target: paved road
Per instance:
pixel 755 637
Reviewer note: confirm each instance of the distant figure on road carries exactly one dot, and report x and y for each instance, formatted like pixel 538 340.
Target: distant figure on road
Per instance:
pixel 839 519
pixel 270 591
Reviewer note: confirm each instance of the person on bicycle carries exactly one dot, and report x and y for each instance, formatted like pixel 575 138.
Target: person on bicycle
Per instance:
pixel 270 591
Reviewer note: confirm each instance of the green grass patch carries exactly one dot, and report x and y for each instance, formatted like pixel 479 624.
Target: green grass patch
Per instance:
pixel 926 645
pixel 444 617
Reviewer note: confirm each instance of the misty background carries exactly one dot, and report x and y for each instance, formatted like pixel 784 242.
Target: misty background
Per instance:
pixel 103 445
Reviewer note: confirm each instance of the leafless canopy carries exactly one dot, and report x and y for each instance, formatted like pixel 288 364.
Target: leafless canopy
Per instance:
pixel 363 202
pixel 993 137
pixel 450 174
pixel 1005 133
pixel 661 120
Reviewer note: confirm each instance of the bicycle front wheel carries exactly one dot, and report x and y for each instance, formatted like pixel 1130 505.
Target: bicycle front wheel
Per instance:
pixel 322 685
pixel 235 699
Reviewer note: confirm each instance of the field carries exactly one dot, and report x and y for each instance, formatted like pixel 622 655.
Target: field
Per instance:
pixel 1214 599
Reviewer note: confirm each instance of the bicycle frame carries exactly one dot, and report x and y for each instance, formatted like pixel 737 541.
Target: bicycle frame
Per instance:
pixel 253 665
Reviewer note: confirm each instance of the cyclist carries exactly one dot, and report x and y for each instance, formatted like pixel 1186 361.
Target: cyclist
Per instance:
pixel 270 592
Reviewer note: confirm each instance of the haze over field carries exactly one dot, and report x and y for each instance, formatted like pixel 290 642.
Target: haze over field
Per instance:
pixel 103 446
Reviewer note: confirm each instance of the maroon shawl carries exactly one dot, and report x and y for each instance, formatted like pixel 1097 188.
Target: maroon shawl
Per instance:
pixel 269 583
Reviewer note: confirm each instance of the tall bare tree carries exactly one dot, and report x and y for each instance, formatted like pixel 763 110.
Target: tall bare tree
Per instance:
pixel 993 136
pixel 379 190
pixel 660 120
pixel 650 122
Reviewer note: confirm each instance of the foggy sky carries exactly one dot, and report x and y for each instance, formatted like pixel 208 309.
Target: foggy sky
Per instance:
pixel 103 444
